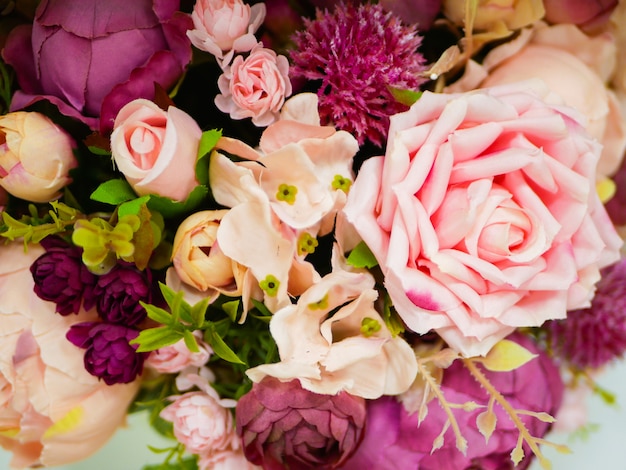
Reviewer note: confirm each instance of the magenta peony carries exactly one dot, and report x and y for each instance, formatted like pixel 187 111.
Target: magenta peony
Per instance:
pixel 284 426
pixel 113 52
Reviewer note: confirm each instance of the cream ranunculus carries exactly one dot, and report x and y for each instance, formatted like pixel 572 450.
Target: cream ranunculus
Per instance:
pixel 35 156
pixel 52 411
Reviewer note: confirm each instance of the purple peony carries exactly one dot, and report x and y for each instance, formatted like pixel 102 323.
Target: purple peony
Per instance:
pixel 119 292
pixel 283 425
pixel 357 53
pixel 393 439
pixel 109 354
pixel 90 57
pixel 61 277
pixel 595 336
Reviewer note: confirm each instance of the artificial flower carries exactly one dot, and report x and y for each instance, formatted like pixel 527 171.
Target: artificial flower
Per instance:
pixel 480 212
pixel 420 12
pixel 357 54
pixel 589 16
pixel 177 357
pixel 52 411
pixel 494 15
pixel 24 173
pixel 283 425
pixel 106 63
pixel 151 146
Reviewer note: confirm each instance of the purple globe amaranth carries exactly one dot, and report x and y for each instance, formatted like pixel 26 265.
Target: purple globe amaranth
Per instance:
pixel 393 439
pixel 595 336
pixel 108 354
pixel 91 57
pixel 357 53
pixel 61 277
pixel 283 426
pixel 119 292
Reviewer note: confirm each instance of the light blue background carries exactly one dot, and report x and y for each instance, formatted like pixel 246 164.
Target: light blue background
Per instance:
pixel 605 449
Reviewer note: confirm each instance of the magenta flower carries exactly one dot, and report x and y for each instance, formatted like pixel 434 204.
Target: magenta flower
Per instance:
pixel 108 354
pixel 61 277
pixel 90 57
pixel 356 53
pixel 283 425
pixel 595 336
pixel 394 440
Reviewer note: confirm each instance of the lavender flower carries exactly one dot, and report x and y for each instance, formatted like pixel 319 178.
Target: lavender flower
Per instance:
pixel 61 277
pixel 119 292
pixel 109 355
pixel 357 53
pixel 594 336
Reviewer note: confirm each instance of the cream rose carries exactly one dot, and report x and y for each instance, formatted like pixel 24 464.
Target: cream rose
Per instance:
pixel 156 150
pixel 483 214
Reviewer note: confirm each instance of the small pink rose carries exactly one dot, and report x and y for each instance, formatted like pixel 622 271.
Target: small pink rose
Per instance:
pixel 223 27
pixel 177 357
pixel 35 156
pixel 483 214
pixel 255 87
pixel 156 150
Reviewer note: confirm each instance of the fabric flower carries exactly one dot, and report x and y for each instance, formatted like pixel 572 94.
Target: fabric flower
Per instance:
pixel 393 438
pixel 35 156
pixel 254 87
pixel 483 214
pixel 109 355
pixel 283 425
pixel 119 292
pixel 52 411
pixel 152 148
pixel 333 340
pixel 106 62
pixel 61 277
pixel 595 336
pixel 177 357
pixel 224 27
pixel 358 53
pixel 589 16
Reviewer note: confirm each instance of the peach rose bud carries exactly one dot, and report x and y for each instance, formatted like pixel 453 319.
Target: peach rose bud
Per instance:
pixel 156 150
pixel 35 156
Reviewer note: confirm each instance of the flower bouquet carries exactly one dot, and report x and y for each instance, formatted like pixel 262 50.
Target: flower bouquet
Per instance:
pixel 309 234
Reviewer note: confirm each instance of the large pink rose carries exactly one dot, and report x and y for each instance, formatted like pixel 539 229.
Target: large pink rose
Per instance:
pixel 483 214
pixel 52 411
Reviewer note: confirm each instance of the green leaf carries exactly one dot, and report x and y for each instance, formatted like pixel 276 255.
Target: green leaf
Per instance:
pixel 406 97
pixel 157 314
pixel 220 347
pixel 506 356
pixel 170 208
pixel 113 192
pixel 231 308
pixel 155 338
pixel 99 151
pixel 207 143
pixel 362 257
pixel 198 312
pixel 260 306
pixel 132 207
pixel 190 341
pixel 185 464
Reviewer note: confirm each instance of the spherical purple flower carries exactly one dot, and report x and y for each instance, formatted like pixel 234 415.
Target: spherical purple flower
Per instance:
pixel 394 440
pixel 283 425
pixel 357 53
pixel 595 336
pixel 119 292
pixel 61 277
pixel 109 354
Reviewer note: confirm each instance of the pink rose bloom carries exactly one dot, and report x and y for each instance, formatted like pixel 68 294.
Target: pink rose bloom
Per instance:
pixel 156 150
pixel 225 460
pixel 589 16
pixel 177 357
pixel 53 412
pixel 35 156
pixel 223 27
pixel 483 214
pixel 113 53
pixel 255 87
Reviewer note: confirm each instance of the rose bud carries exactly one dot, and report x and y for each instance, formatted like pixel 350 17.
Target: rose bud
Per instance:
pixel 35 156
pixel 283 425
pixel 156 150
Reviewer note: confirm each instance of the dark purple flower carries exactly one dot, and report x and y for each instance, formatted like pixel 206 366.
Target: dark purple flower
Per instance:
pixel 119 292
pixel 357 53
pixel 109 354
pixel 90 57
pixel 283 425
pixel 394 440
pixel 61 277
pixel 594 336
